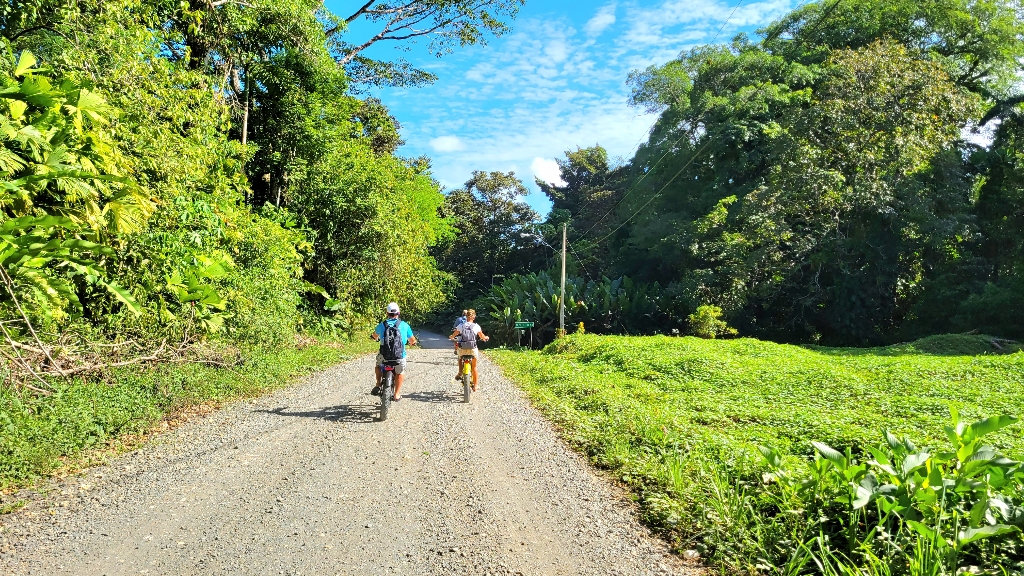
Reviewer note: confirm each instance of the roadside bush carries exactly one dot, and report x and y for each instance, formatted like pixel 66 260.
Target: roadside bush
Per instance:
pixel 706 322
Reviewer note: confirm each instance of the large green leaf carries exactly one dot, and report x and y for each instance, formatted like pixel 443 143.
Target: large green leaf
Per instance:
pixel 830 454
pixel 974 534
pixel 987 426
pixel 26 61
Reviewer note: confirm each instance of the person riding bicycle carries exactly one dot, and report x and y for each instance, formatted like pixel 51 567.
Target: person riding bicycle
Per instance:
pixel 458 322
pixel 407 337
pixel 465 336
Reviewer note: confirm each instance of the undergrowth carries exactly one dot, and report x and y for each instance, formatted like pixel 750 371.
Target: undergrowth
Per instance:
pixel 681 421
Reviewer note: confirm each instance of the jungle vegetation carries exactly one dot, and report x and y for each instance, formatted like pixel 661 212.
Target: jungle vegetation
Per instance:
pixel 185 172
pixel 199 203
pixel 852 175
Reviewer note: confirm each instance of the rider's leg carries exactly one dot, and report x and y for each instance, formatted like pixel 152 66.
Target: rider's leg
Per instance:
pixel 472 362
pixel 399 378
pixel 376 372
pixel 462 360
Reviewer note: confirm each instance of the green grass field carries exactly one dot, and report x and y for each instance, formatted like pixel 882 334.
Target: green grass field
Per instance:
pixel 679 419
pixel 42 434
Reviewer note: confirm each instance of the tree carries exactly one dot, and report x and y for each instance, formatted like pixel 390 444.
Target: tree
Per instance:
pixel 585 202
pixel 448 23
pixel 490 218
pixel 805 199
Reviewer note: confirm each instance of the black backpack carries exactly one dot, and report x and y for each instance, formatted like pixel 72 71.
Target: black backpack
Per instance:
pixel 467 338
pixel 392 345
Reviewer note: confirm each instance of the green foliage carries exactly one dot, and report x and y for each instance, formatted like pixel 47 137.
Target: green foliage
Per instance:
pixel 618 306
pixel 490 220
pixel 943 505
pixel 372 218
pixel 680 420
pixel 707 322
pixel 138 139
pixel 62 193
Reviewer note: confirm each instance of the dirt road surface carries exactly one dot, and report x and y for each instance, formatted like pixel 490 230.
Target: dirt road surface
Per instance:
pixel 305 481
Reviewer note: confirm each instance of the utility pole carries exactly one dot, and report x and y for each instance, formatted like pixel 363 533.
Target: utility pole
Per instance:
pixel 561 301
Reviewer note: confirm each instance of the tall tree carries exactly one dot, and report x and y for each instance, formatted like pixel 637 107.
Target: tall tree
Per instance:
pixel 810 184
pixel 585 201
pixel 490 219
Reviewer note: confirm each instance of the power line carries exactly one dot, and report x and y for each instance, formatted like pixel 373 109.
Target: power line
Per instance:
pixel 647 135
pixel 580 260
pixel 658 193
pixel 649 131
pixel 707 142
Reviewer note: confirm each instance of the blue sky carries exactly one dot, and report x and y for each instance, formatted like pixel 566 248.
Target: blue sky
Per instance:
pixel 557 81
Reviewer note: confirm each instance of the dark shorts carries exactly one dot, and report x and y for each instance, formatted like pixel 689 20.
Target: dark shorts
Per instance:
pixel 399 365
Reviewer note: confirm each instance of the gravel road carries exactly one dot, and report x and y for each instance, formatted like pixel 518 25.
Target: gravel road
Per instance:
pixel 305 481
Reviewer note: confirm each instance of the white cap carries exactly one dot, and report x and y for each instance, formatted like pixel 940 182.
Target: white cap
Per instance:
pixel 393 308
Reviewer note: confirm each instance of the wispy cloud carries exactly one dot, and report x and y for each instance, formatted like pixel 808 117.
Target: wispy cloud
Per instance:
pixel 604 18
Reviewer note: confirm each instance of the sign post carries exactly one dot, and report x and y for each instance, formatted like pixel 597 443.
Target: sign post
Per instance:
pixel 520 326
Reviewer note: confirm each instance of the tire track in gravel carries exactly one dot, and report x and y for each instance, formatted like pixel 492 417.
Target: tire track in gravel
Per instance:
pixel 305 481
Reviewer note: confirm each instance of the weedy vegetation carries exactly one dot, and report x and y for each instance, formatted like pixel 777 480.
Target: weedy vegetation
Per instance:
pixel 780 459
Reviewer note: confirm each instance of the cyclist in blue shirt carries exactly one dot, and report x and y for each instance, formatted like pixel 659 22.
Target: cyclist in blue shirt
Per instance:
pixel 459 322
pixel 408 339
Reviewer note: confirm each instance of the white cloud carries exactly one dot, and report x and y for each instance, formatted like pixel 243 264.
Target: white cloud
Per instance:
pixel 678 23
pixel 604 18
pixel 447 144
pixel 546 169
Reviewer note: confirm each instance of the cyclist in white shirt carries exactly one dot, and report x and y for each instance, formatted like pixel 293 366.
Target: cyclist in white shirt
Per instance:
pixel 465 336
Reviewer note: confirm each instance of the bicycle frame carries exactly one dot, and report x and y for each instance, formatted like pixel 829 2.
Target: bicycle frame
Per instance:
pixel 387 387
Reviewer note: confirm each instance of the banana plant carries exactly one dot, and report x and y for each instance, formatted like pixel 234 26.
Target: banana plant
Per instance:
pixel 607 306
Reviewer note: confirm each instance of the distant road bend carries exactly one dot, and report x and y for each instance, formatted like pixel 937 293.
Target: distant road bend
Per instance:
pixel 304 481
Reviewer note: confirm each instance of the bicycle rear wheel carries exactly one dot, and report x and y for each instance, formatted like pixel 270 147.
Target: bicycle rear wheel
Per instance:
pixel 466 390
pixel 387 391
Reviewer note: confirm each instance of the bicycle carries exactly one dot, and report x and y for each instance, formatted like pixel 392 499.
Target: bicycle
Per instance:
pixel 387 387
pixel 467 381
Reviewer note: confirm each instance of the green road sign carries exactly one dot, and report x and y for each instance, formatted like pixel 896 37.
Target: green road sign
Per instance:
pixel 522 325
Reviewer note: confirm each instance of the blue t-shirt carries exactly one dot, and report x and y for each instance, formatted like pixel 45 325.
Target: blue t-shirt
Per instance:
pixel 403 328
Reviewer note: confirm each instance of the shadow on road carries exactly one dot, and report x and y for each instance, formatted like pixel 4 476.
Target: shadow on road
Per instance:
pixel 435 396
pixel 354 413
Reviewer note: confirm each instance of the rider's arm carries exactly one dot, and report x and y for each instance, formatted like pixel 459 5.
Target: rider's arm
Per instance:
pixel 376 334
pixel 411 338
